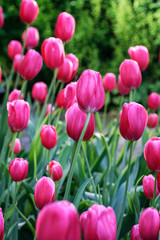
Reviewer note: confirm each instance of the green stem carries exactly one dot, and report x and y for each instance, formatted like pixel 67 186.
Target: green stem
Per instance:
pixel 131 95
pixel 154 193
pixel 35 165
pixel 107 96
pixel 23 88
pixel 58 117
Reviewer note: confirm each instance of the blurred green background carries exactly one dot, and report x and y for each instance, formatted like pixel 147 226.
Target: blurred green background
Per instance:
pixel 105 29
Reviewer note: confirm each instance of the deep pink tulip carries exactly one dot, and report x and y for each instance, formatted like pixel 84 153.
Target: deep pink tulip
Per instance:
pixel 152 153
pixel 29 10
pixel 70 94
pixel 153 101
pixel 133 121
pixel 48 109
pixel 65 26
pixel 39 92
pixel 32 38
pixel 141 55
pixel 109 82
pixel 90 92
pixel 149 224
pixel 135 234
pixel 1 225
pixel 152 120
pixel 75 62
pixel 76 119
pixel 14 47
pixel 122 89
pixel 44 192
pixel 148 186
pixel 16 62
pixel 60 100
pixel 1 17
pixel 31 65
pixel 55 170
pixel 48 136
pixel 17 146
pixel 0 74
pixel 14 95
pixel 18 169
pixel 18 115
pixel 158 181
pixel 64 73
pixel 130 74
pixel 99 223
pixel 58 221
pixel 53 54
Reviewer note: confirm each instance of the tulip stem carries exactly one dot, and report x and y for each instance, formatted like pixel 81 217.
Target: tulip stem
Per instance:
pixel 154 193
pixel 107 96
pixel 75 156
pixel 35 165
pixel 23 88
pixel 125 194
pixel 131 95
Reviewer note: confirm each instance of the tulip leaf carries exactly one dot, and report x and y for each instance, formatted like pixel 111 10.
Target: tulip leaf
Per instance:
pixel 10 212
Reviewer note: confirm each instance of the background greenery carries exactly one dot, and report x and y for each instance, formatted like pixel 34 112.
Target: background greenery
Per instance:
pixel 105 29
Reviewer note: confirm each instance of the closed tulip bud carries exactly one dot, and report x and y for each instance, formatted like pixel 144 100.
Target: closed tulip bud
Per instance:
pixel 133 113
pixel 122 89
pixel 152 120
pixel 1 17
pixel 76 119
pixel 130 74
pixel 70 94
pixel 64 73
pixel 149 224
pixel 141 55
pixel 17 146
pixel 58 221
pixel 0 74
pixel 65 26
pixel 1 225
pixel 31 65
pixel 148 186
pixel 60 100
pixel 39 92
pixel 18 169
pixel 75 62
pixel 55 170
pixel 14 95
pixel 153 101
pixel 109 82
pixel 29 10
pixel 44 192
pixel 32 38
pixel 18 115
pixel 14 47
pixel 53 54
pixel 135 234
pixel 90 92
pixel 48 109
pixel 99 223
pixel 16 62
pixel 48 136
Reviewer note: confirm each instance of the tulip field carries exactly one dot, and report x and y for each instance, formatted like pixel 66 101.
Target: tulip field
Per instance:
pixel 67 172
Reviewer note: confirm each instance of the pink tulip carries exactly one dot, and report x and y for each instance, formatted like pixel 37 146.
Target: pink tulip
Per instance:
pixel 152 120
pixel 14 47
pixel 0 74
pixel 75 62
pixel 1 17
pixel 39 92
pixel 32 38
pixel 29 10
pixel 135 234
pixel 55 170
pixel 60 100
pixel 48 109
pixel 64 73
pixel 14 95
pixel 148 186
pixel 1 225
pixel 16 62
pixel 17 146
pixel 65 26
pixel 18 169
pixel 48 136
pixel 109 82
pixel 122 89
pixel 158 181
pixel 70 94
pixel 141 55
pixel 153 101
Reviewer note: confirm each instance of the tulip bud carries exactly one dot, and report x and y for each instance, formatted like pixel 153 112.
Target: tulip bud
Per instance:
pixel 16 62
pixel 48 109
pixel 70 94
pixel 141 55
pixel 122 89
pixel 29 10
pixel 60 100
pixel 1 17
pixel 152 120
pixel 18 169
pixel 31 65
pixel 153 101
pixel 65 71
pixel 48 136
pixel 14 47
pixel 90 92
pixel 55 170
pixel 58 221
pixel 130 74
pixel 99 223
pixel 53 54
pixel 39 92
pixel 44 192
pixel 17 146
pixel 32 38
pixel 135 234
pixel 0 74
pixel 18 115
pixel 75 62
pixel 14 95
pixel 148 186
pixel 109 82
pixel 149 224
pixel 76 119
pixel 133 113
pixel 1 225
pixel 65 27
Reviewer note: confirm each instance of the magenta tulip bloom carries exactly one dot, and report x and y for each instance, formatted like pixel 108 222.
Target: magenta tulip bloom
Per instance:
pixel 1 225
pixel 60 100
pixel 1 17
pixel 153 101
pixel 29 10
pixel 152 120
pixel 109 82
pixel 75 62
pixel 14 47
pixel 149 224
pixel 133 121
pixel 39 92
pixel 17 146
pixel 130 74
pixel 14 95
pixel 99 223
pixel 65 27
pixel 135 234
pixel 16 62
pixel 32 37
pixel 90 92
pixel 48 136
pixel 148 186
pixel 55 170
pixel 64 73
pixel 53 54
pixel 18 169
pixel 0 74
pixel 18 115
pixel 158 181
pixel 141 55
pixel 70 94
pixel 122 89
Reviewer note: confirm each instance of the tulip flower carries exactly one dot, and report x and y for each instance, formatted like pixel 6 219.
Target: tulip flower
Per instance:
pixel 1 17
pixel 75 62
pixel 18 169
pixel 132 114
pixel 16 62
pixel 48 136
pixel 130 74
pixel 31 65
pixel 135 234
pixel 141 55
pixel 48 109
pixel 14 47
pixel 60 100
pixel 39 92
pixel 0 74
pixel 32 38
pixel 76 119
pixel 64 73
pixel 70 94
pixel 158 181
pixel 44 192
pixel 148 186
pixel 152 120
pixel 55 170
pixel 17 146
pixel 99 223
pixel 65 27
pixel 149 224
pixel 153 101
pixel 1 225
pixel 122 89
pixel 58 221
pixel 29 10
pixel 109 82
pixel 53 54
pixel 18 115
pixel 90 92
pixel 14 95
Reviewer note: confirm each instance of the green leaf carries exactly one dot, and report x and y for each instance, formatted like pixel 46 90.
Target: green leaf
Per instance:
pixel 10 212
